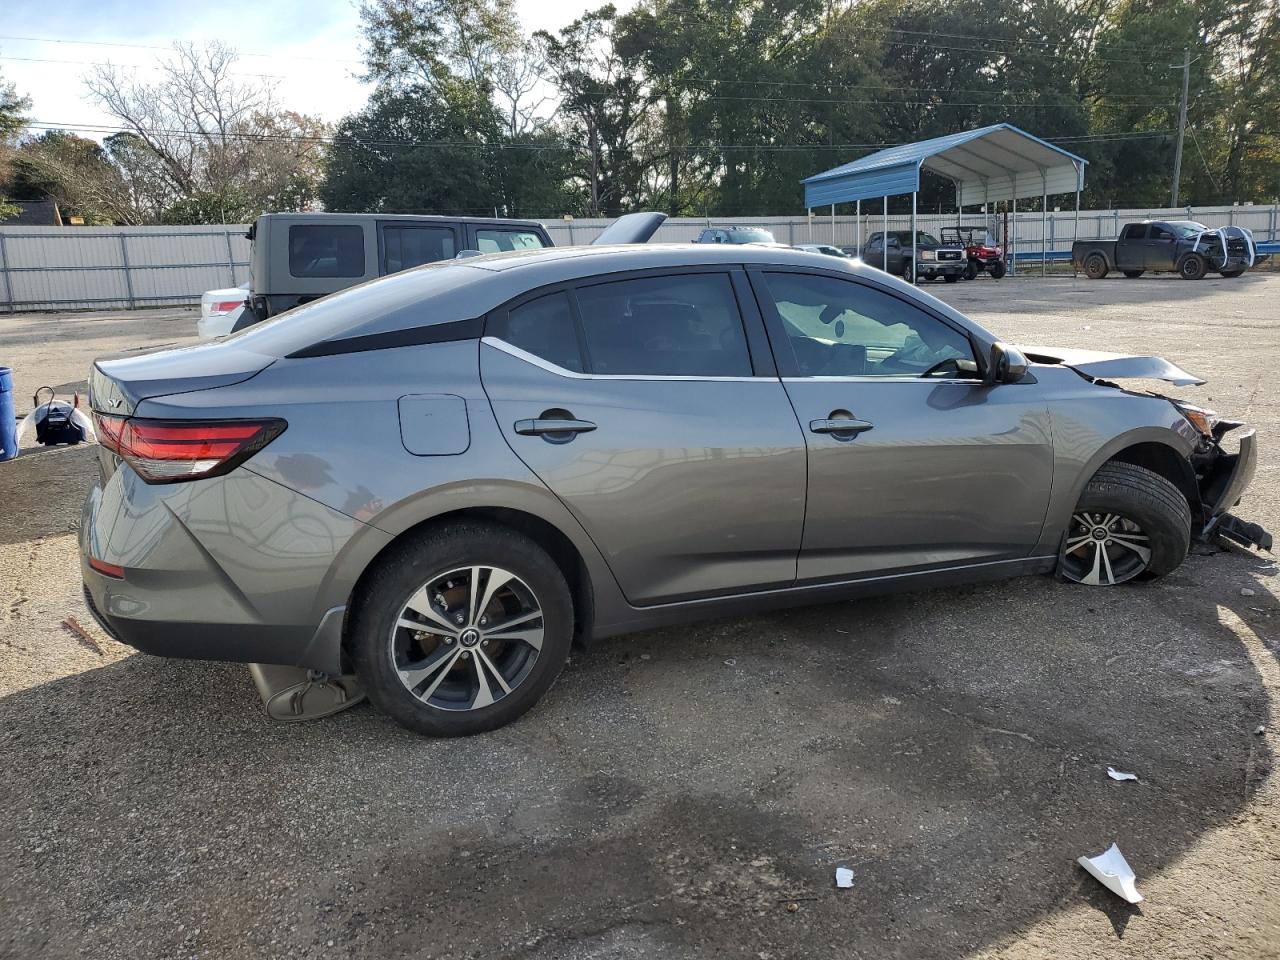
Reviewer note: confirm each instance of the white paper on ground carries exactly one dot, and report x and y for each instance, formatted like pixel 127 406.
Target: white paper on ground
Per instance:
pixel 1115 774
pixel 844 877
pixel 1111 870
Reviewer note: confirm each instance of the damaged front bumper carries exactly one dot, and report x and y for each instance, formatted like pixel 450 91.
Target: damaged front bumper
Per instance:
pixel 1223 478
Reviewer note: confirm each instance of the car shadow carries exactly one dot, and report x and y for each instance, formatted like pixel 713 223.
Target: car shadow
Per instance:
pixel 676 790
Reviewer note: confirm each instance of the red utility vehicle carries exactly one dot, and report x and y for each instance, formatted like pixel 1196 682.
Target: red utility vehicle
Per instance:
pixel 982 251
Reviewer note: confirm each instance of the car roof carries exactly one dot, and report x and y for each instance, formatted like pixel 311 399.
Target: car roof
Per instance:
pixel 474 286
pixel 414 217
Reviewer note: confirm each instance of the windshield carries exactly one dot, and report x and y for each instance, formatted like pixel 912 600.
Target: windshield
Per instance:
pixel 1187 228
pixel 922 239
pixel 750 235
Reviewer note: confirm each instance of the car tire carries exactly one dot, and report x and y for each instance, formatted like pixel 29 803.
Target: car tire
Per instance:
pixel 1095 266
pixel 951 277
pixel 1130 523
pixel 484 677
pixel 997 270
pixel 1232 274
pixel 1193 267
pixel 907 273
pixel 1134 274
pixel 972 269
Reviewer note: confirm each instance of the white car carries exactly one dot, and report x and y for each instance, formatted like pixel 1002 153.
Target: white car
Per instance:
pixel 219 311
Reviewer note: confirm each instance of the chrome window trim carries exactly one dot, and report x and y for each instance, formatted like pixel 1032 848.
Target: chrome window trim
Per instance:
pixel 888 378
pixel 559 371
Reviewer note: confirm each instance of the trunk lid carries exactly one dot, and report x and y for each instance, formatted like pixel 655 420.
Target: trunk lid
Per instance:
pixel 118 386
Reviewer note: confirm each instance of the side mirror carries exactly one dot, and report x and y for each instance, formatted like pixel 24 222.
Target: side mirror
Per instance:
pixel 1005 365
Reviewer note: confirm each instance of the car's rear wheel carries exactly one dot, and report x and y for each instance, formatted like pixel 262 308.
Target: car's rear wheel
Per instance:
pixel 1193 267
pixel 1130 522
pixel 1095 266
pixel 1134 274
pixel 462 630
pixel 997 270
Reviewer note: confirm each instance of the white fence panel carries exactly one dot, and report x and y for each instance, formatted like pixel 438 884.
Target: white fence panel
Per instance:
pixel 52 268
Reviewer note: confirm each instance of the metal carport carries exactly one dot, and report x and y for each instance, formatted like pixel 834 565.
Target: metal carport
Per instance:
pixel 1000 162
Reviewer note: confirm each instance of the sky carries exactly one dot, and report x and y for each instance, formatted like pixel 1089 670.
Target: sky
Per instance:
pixel 310 49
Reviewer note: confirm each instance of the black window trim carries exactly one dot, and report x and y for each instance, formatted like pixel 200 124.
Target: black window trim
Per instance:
pixel 364 249
pixel 758 348
pixel 382 225
pixel 785 358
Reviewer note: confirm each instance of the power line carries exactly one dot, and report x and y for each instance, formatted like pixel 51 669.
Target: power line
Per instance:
pixel 563 145
pixel 150 46
pixel 130 66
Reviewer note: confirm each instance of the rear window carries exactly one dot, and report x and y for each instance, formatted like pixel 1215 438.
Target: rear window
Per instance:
pixel 408 246
pixel 498 241
pixel 326 250
pixel 397 302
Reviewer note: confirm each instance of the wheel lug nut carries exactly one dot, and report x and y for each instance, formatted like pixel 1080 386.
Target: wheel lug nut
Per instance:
pixel 459 619
pixel 448 640
pixel 466 655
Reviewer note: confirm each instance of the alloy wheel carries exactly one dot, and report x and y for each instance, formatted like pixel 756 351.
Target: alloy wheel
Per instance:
pixel 1104 549
pixel 467 638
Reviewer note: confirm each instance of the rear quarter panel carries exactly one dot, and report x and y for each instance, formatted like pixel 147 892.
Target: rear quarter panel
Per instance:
pixel 343 448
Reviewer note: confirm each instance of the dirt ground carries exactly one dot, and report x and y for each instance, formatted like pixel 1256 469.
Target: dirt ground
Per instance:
pixel 685 792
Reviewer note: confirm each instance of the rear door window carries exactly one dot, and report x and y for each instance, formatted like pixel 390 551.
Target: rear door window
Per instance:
pixel 1135 231
pixel 543 327
pixel 326 250
pixel 411 246
pixel 686 325
pixel 495 240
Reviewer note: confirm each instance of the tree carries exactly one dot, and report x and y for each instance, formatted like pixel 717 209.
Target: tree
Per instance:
pixel 605 110
pixel 212 148
pixel 78 174
pixel 12 120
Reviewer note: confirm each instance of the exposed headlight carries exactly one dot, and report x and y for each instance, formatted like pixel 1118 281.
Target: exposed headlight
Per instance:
pixel 1200 418
pixel 928 255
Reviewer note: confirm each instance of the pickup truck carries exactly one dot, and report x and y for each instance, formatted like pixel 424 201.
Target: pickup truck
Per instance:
pixel 1185 247
pixel 934 259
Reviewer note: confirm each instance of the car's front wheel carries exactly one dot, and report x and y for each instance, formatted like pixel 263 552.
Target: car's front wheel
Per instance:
pixel 1130 522
pixel 997 270
pixel 1193 267
pixel 1232 274
pixel 462 629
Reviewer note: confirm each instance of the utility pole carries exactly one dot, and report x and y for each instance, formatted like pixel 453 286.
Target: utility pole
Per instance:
pixel 1182 122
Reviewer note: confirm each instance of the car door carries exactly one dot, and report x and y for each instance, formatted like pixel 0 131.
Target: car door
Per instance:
pixel 1160 246
pixel 908 469
pixel 1131 251
pixel 645 405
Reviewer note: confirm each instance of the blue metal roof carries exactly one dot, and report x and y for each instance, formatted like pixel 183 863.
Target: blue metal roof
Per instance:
pixel 999 162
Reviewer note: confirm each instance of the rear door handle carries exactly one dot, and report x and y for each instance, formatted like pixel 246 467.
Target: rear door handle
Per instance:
pixel 536 428
pixel 840 426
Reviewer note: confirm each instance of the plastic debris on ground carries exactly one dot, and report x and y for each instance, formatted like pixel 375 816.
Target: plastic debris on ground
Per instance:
pixel 1112 870
pixel 844 877
pixel 1115 774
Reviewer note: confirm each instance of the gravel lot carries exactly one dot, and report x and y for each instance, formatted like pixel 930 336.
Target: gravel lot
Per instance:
pixel 684 792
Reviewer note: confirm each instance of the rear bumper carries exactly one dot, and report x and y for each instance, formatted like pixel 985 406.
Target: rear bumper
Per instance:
pixel 229 568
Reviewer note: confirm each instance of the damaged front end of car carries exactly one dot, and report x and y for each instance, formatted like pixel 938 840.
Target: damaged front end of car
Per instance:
pixel 1221 476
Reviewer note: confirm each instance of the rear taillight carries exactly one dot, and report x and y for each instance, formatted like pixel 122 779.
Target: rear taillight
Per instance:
pixel 226 306
pixel 167 451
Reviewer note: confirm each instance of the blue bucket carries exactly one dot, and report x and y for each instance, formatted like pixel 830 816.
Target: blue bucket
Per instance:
pixel 8 424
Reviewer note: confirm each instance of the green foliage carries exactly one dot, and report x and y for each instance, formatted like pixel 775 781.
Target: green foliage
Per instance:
pixel 723 106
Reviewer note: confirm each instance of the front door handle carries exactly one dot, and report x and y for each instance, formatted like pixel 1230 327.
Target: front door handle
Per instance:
pixel 840 426
pixel 541 426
